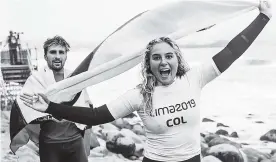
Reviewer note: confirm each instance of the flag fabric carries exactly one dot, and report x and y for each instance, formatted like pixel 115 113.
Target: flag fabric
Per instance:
pixel 124 48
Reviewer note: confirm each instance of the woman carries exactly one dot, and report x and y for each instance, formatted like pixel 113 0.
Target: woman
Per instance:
pixel 168 98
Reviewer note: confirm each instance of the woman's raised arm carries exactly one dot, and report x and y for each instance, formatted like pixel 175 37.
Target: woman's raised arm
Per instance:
pixel 238 45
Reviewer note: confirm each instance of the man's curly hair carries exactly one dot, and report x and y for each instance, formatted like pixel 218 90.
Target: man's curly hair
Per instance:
pixel 57 40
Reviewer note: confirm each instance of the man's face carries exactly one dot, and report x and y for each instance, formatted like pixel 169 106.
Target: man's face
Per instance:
pixel 56 57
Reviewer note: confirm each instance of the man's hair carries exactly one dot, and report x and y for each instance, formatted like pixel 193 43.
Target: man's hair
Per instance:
pixel 57 40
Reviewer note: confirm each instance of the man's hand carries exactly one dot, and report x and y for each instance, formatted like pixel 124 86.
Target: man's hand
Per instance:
pixel 58 121
pixel 265 7
pixel 37 102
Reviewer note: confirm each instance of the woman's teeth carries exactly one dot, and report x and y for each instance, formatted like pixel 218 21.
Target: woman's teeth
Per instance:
pixel 165 73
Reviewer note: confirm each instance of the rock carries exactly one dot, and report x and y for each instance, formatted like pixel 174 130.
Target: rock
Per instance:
pixel 210 136
pixel 118 123
pixel 210 158
pixel 97 130
pixel 122 145
pixel 125 141
pixel 5 115
pixel 222 132
pixel 3 130
pixel 143 137
pixel 202 140
pixel 139 150
pixel 234 144
pixel 234 135
pixel 131 115
pixel 109 126
pixel 221 140
pixel 28 152
pixel 273 152
pixel 96 154
pixel 93 140
pixel 133 158
pixel 202 135
pixel 273 158
pixel 28 156
pixel 111 135
pixel 226 153
pixel 259 122
pixel 129 133
pixel 269 136
pixel 250 114
pixel 254 155
pixel 244 143
pixel 204 149
pixel 102 142
pixel 138 129
pixel 221 125
pixel 266 160
pixel 127 125
pixel 207 120
pixel 121 123
pixel 99 151
pixel 32 146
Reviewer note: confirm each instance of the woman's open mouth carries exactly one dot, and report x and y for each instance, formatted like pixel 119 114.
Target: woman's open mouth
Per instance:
pixel 165 72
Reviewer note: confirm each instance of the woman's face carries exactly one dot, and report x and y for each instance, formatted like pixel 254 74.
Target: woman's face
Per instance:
pixel 163 63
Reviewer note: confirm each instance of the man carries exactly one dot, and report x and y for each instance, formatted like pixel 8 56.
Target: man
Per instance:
pixel 59 140
pixel 13 43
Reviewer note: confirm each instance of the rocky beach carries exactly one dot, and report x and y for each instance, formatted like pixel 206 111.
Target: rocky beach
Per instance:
pixel 123 140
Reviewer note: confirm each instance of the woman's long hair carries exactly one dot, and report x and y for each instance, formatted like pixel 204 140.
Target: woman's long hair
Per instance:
pixel 149 80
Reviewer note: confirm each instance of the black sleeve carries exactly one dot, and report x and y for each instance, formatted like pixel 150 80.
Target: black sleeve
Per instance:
pixel 83 115
pixel 238 45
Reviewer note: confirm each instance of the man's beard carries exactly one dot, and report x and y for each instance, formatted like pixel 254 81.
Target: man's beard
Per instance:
pixel 54 68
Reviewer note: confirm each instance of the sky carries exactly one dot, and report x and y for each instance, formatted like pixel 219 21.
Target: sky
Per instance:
pixel 85 21
pixel 82 20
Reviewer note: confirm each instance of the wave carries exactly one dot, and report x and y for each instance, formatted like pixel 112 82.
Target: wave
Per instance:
pixel 259 62
pixel 245 62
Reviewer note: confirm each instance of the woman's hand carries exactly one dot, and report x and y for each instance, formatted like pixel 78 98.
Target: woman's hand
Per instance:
pixel 37 102
pixel 265 7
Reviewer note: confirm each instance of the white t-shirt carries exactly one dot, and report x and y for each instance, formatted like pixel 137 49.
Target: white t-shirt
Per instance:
pixel 173 132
